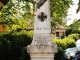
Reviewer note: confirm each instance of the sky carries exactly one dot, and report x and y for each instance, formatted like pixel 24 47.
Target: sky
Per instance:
pixel 72 12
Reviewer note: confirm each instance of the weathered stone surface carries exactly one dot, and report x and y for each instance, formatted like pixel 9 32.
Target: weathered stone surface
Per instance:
pixel 42 39
pixel 42 47
pixel 42 18
pixel 42 52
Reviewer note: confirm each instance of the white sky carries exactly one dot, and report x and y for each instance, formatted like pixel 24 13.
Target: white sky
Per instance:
pixel 72 13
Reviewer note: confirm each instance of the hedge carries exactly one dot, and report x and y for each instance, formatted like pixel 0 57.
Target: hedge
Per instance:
pixel 74 36
pixel 62 45
pixel 11 44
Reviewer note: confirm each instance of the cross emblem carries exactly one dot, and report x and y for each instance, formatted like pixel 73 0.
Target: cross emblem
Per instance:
pixel 42 16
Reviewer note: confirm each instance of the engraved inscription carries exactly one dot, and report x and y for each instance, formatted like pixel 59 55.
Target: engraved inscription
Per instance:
pixel 42 40
pixel 42 28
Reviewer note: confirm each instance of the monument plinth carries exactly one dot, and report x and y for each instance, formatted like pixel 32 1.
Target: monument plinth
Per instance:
pixel 42 47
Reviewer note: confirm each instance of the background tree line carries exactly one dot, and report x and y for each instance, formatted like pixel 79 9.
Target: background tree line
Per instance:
pixel 59 9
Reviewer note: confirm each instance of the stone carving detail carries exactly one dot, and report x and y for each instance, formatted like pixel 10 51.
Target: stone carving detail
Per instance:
pixel 42 39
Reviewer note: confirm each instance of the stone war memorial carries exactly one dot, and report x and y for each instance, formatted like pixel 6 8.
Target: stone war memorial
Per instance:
pixel 42 47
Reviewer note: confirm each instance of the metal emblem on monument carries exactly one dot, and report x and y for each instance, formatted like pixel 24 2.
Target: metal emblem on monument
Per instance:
pixel 42 16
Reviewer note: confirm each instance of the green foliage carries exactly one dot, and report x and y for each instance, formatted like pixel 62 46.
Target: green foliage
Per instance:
pixel 68 32
pixel 17 15
pixel 69 42
pixel 25 55
pixel 74 36
pixel 75 27
pixel 19 24
pixel 59 9
pixel 15 10
pixel 11 44
pixel 62 45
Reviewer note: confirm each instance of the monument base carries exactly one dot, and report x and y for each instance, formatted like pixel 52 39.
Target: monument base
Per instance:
pixel 42 47
pixel 42 52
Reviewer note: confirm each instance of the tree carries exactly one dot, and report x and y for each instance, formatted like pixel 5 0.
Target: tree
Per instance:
pixel 13 10
pixel 75 27
pixel 59 9
pixel 16 14
pixel 1 5
pixel 78 9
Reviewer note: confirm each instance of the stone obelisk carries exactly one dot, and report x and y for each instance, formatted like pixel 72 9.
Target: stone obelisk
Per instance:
pixel 42 47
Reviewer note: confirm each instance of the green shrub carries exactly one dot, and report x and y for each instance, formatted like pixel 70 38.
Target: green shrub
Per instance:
pixel 69 42
pixel 25 55
pixel 62 45
pixel 74 36
pixel 11 44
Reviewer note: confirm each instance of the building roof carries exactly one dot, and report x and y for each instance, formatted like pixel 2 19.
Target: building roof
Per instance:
pixel 62 27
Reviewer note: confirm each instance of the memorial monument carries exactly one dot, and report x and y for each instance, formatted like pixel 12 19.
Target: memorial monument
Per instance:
pixel 42 47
